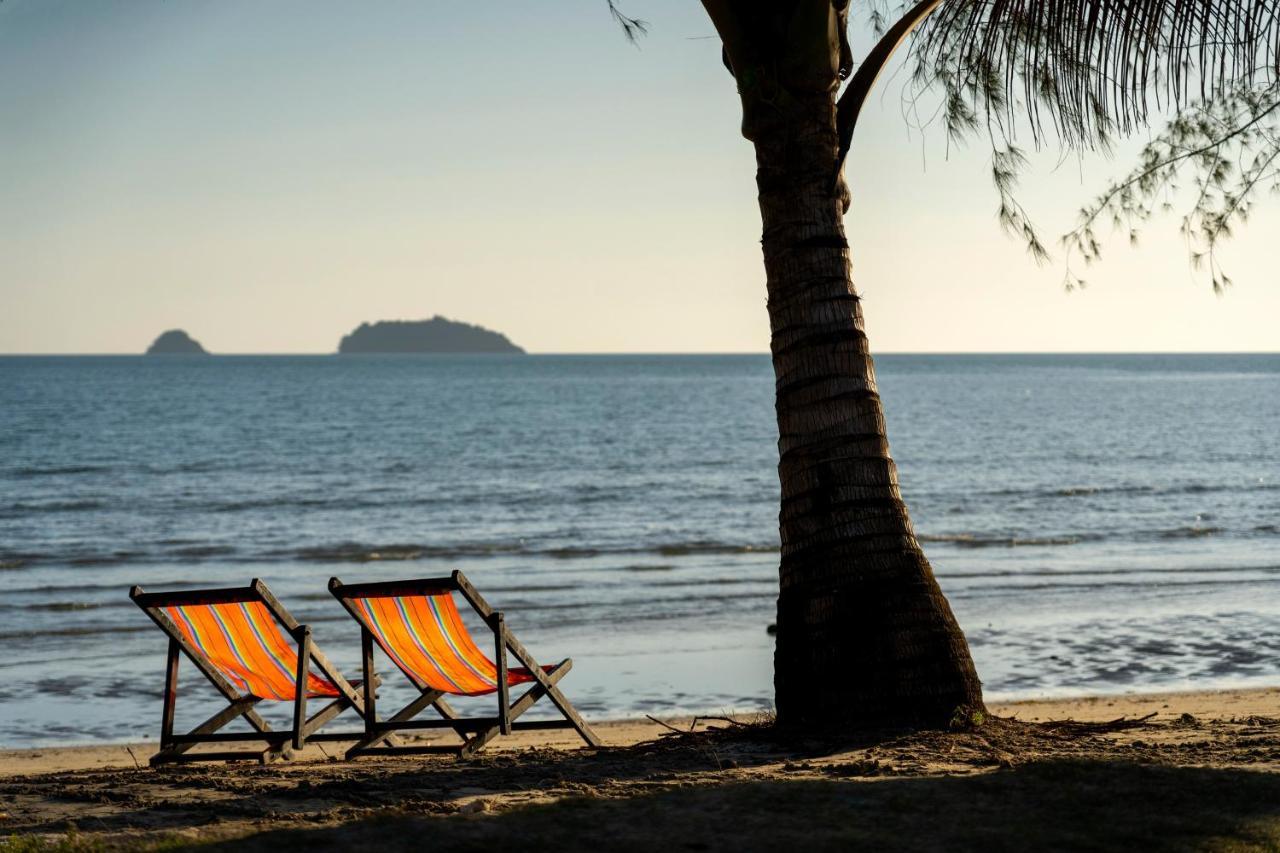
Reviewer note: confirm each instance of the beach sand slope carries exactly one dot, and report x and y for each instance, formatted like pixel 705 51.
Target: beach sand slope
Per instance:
pixel 1202 773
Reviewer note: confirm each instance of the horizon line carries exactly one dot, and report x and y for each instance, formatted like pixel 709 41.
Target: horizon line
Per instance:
pixel 309 354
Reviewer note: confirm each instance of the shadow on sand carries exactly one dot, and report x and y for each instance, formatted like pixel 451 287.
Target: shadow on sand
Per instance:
pixel 1055 805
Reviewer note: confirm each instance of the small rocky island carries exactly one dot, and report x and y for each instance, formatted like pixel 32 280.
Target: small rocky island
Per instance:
pixel 437 335
pixel 176 342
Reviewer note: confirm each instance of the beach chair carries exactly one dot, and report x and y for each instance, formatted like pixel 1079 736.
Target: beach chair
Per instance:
pixel 245 642
pixel 417 625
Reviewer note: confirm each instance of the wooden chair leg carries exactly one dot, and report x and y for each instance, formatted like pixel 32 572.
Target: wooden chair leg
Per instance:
pixel 557 698
pixel 367 673
pixel 170 694
pixel 428 698
pixel 524 703
pixel 571 714
pixel 300 688
pixel 242 706
pixel 238 705
pixel 322 717
pixel 504 692
pixel 473 596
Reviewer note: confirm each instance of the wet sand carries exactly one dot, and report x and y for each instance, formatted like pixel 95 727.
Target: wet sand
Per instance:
pixel 1203 772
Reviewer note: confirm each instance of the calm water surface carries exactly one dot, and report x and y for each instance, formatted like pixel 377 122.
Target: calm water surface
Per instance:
pixel 1100 523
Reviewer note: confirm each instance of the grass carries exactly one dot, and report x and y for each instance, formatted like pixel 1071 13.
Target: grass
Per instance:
pixel 1058 805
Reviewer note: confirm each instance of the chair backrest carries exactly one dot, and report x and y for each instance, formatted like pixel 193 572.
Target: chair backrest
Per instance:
pixel 418 626
pixel 238 633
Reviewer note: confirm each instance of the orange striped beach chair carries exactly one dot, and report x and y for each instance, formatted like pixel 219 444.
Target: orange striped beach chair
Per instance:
pixel 245 642
pixel 417 625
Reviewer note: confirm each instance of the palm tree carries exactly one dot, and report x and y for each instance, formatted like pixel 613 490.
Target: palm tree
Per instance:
pixel 865 636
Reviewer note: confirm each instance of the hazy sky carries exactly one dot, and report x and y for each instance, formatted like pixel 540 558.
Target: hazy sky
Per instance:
pixel 268 175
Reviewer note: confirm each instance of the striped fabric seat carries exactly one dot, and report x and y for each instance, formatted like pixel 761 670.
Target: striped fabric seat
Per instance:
pixel 416 623
pixel 246 644
pixel 425 637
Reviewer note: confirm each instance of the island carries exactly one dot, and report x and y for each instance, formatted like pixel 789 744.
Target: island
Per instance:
pixel 437 335
pixel 176 342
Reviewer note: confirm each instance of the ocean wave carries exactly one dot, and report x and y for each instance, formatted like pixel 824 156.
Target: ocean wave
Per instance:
pixel 715 581
pixel 711 547
pixel 101 587
pixel 18 510
pixel 59 470
pixel 13 560
pixel 107 559
pixel 19 562
pixel 1049 587
pixel 1087 490
pixel 169 504
pixel 653 607
pixel 1190 532
pixel 181 551
pixel 577 493
pixel 67 606
pixel 970 540
pixel 198 551
pixel 345 502
pixel 1080 491
pixel 571 553
pixel 85 631
pixel 355 552
pixel 1109 573
pixel 360 552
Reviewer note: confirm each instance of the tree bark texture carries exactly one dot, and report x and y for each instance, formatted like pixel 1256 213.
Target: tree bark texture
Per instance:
pixel 865 636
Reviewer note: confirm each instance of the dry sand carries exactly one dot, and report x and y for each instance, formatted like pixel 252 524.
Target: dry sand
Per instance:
pixel 1203 773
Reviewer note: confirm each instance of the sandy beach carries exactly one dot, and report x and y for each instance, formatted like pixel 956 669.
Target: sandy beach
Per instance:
pixel 1201 772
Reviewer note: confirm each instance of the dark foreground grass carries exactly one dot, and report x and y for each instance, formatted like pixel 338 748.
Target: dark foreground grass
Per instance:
pixel 1050 805
pixel 1002 785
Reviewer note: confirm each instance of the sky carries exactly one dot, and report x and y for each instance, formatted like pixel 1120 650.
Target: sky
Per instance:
pixel 267 176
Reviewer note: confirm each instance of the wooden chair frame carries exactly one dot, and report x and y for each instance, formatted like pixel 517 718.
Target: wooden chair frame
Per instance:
pixel 279 744
pixel 474 731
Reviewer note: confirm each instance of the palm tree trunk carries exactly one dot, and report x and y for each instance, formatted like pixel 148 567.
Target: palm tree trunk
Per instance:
pixel 865 636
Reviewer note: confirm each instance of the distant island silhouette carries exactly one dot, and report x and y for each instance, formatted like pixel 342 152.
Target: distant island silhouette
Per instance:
pixel 437 335
pixel 176 342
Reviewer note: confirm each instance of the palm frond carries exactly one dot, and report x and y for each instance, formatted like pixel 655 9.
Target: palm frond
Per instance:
pixel 1226 151
pixel 1087 69
pixel 632 28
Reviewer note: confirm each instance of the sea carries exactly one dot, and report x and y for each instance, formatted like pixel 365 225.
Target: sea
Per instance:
pixel 1100 523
